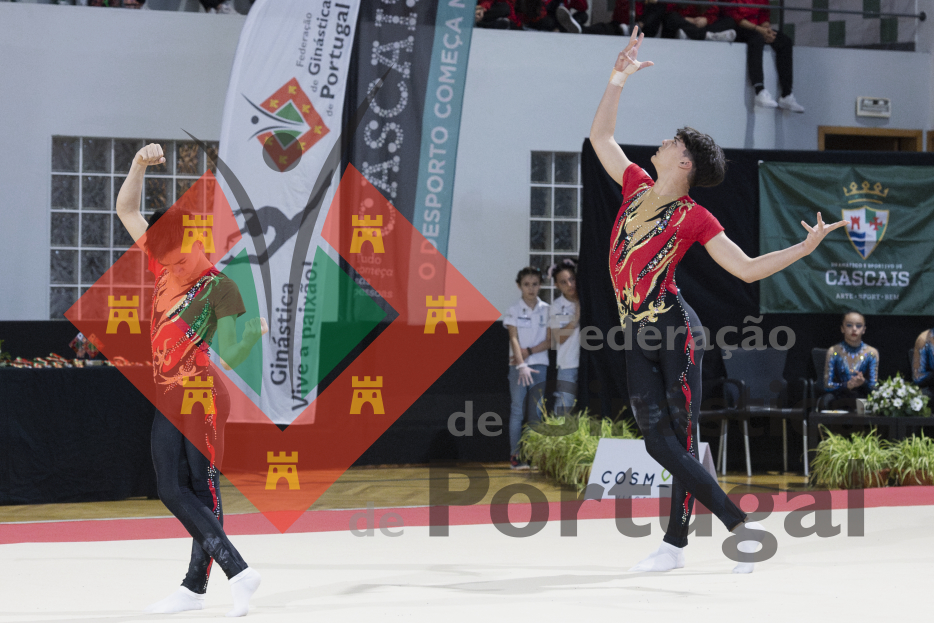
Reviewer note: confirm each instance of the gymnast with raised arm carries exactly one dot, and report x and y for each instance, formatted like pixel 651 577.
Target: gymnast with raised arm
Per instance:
pixel 657 223
pixel 191 303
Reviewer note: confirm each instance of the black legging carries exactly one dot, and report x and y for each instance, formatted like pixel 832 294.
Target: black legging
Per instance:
pixel 496 11
pixel 665 393
pixel 188 485
pixel 651 19
pixel 674 22
pixel 755 43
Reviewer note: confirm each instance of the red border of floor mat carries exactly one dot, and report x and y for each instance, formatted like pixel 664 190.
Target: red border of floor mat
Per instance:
pixel 519 514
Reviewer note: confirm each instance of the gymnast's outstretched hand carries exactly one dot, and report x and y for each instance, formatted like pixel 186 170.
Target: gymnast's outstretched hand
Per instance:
pixel 626 61
pixel 817 233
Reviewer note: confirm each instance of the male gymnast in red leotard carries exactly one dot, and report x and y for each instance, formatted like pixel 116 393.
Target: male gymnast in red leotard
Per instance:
pixel 657 223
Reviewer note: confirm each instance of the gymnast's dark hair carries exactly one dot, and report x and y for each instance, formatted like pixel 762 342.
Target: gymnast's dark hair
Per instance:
pixel 851 311
pixel 529 270
pixel 709 161
pixel 568 264
pixel 168 236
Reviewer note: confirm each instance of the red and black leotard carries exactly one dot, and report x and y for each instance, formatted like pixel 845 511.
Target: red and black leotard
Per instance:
pixel 663 370
pixel 645 248
pixel 185 446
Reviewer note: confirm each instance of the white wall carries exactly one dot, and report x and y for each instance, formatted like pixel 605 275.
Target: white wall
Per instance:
pixel 77 71
pixel 80 71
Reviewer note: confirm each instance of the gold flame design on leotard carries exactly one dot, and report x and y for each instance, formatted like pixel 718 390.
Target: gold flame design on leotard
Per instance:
pixel 646 226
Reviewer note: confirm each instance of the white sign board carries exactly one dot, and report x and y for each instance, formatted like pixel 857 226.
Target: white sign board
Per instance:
pixel 615 457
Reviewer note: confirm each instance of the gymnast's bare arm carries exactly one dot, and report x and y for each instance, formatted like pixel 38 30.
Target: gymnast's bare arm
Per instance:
pixel 132 189
pixel 727 254
pixel 604 122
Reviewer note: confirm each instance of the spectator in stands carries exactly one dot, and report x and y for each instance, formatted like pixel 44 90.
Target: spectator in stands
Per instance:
pixel 533 15
pixel 692 21
pixel 223 7
pixel 571 15
pixel 529 340
pixel 126 4
pixel 575 24
pixel 922 365
pixel 499 14
pixel 550 15
pixel 565 332
pixel 852 366
pixel 649 18
pixel 754 29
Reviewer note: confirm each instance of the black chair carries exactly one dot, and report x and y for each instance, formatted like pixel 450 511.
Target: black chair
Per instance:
pixel 722 409
pixel 755 387
pixel 819 397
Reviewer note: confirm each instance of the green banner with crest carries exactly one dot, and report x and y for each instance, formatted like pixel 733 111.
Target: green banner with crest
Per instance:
pixel 881 262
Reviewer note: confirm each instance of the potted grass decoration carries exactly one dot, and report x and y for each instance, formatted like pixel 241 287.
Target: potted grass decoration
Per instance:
pixel 913 461
pixel 858 462
pixel 564 447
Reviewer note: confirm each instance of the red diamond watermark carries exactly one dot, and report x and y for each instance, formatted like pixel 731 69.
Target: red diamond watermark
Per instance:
pixel 282 472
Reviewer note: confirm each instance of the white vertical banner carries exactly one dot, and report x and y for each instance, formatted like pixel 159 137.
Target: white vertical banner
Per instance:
pixel 282 117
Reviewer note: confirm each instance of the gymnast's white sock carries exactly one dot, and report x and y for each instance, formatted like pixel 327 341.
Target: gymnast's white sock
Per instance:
pixel 243 585
pixel 665 558
pixel 748 547
pixel 179 601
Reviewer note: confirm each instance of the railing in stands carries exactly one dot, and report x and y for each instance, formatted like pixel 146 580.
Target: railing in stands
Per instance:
pixel 781 8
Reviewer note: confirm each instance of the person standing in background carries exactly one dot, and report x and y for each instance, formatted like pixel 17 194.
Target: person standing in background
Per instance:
pixel 565 332
pixel 529 339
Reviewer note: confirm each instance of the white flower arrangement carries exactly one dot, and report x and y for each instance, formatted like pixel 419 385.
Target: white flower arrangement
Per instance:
pixel 897 398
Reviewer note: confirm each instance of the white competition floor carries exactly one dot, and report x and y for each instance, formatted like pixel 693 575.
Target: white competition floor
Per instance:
pixel 479 575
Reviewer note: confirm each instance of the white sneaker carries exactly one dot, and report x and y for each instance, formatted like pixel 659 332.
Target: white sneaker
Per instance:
pixel 224 8
pixel 682 34
pixel 567 21
pixel 765 100
pixel 729 36
pixel 624 29
pixel 790 103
